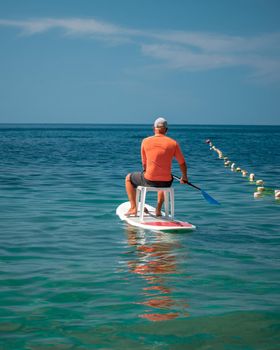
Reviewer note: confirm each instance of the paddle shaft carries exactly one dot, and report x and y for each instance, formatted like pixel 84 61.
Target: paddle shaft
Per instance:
pixel 178 178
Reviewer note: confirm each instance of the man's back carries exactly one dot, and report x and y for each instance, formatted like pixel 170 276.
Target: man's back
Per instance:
pixel 157 153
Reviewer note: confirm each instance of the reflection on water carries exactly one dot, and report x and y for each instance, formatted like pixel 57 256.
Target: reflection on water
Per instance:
pixel 154 260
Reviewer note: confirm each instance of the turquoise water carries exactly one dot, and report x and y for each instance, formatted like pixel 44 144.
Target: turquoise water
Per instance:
pixel 74 277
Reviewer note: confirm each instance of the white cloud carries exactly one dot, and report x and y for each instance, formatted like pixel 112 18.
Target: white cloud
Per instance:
pixel 213 42
pixel 185 58
pixel 185 50
pixel 70 26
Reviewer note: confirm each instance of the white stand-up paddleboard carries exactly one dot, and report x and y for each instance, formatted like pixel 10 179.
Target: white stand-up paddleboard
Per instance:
pixel 151 221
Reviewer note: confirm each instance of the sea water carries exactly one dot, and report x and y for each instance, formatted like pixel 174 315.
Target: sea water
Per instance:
pixel 73 276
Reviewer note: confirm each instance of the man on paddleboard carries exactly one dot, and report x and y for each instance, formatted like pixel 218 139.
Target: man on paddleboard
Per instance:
pixel 157 152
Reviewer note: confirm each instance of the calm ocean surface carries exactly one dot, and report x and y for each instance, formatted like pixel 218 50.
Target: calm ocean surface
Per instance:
pixel 73 276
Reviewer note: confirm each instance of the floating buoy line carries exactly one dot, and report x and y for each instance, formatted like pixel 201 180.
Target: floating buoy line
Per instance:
pixel 260 190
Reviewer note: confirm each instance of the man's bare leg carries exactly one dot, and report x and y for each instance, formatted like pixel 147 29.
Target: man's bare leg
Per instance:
pixel 159 203
pixel 131 193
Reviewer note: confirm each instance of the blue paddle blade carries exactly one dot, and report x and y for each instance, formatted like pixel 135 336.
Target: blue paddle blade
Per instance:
pixel 209 199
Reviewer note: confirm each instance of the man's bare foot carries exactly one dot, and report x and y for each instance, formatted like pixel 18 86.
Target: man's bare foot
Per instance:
pixel 158 213
pixel 131 212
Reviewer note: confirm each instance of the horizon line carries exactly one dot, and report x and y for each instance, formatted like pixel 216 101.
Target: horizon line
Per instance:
pixel 127 123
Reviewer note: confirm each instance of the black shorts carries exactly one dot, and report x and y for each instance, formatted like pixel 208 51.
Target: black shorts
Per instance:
pixel 138 179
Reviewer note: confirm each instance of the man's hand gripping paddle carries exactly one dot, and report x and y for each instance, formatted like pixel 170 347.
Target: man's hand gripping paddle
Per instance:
pixel 207 196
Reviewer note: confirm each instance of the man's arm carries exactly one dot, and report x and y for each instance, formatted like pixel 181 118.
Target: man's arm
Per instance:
pixel 184 170
pixel 182 163
pixel 143 157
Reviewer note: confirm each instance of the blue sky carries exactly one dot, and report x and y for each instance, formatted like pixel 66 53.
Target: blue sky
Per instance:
pixel 128 61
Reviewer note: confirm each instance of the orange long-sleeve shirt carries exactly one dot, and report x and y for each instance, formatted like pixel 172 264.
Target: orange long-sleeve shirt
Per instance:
pixel 157 153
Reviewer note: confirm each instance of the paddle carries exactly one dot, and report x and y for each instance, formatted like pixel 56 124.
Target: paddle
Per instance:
pixel 207 196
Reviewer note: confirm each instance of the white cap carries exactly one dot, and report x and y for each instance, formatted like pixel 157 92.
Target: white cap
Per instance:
pixel 160 123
